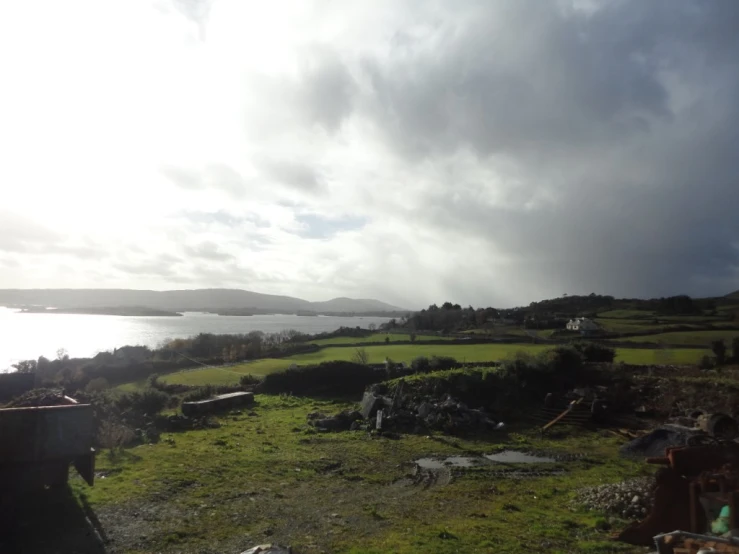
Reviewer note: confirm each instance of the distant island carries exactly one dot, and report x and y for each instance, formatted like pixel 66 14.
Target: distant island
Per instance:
pixel 123 311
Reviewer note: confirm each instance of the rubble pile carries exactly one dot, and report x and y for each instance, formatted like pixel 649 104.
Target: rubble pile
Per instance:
pixel 343 421
pixel 39 397
pixel 407 413
pixel 630 499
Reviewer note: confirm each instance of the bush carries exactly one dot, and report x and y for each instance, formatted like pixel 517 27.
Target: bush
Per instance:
pixel 97 385
pixel 719 349
pixel 325 379
pixel 706 362
pixel 152 381
pixel 595 352
pixel 360 356
pixel 148 402
pixel 442 362
pixel 200 393
pixel 249 380
pixel 113 435
pixel 421 364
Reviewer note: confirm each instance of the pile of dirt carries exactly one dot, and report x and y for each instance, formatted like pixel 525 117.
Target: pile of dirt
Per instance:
pixel 654 443
pixel 408 413
pixel 39 397
pixel 630 499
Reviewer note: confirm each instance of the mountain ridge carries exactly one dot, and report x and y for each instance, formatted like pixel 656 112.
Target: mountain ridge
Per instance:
pixel 185 300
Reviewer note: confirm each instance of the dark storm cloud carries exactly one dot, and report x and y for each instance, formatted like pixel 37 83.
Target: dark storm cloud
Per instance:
pixel 616 133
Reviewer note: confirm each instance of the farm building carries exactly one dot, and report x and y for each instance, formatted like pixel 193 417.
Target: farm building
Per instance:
pixel 582 325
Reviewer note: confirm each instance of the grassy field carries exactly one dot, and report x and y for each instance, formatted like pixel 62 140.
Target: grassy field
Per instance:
pixel 265 477
pixel 627 314
pixel 631 325
pixel 406 353
pixel 226 375
pixel 688 337
pixel 378 338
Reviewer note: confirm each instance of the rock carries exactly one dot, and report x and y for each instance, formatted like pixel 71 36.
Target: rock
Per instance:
pixel 635 500
pixel 424 410
pixel 370 405
pixel 268 549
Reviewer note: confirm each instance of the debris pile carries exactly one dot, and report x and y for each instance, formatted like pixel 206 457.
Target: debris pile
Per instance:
pixel 39 397
pixel 343 421
pixel 407 413
pixel 630 499
pixel 656 441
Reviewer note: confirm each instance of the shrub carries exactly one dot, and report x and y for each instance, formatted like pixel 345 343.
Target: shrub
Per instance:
pixel 325 379
pixel 148 401
pixel 442 362
pixel 719 350
pixel 595 352
pixel 360 356
pixel 200 393
pixel 706 362
pixel 97 385
pixel 249 380
pixel 113 435
pixel 421 364
pixel 152 381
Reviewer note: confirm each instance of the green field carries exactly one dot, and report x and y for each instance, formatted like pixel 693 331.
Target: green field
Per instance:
pixel 267 477
pixel 687 337
pixel 226 375
pixel 406 353
pixel 627 314
pixel 630 325
pixel 378 338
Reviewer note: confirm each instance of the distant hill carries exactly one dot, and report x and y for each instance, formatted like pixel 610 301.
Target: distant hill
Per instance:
pixel 185 300
pixel 733 296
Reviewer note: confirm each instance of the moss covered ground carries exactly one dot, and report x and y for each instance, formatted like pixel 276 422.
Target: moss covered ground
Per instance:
pixel 264 476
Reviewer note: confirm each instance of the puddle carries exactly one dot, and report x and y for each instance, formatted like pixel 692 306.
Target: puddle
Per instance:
pixel 505 457
pixel 450 461
pixel 514 457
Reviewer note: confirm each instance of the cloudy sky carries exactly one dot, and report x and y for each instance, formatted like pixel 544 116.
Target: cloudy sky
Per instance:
pixel 487 151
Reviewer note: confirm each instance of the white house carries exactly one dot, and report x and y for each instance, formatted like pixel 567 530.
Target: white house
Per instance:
pixel 582 325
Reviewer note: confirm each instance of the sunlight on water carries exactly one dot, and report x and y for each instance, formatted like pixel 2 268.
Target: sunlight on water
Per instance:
pixel 28 336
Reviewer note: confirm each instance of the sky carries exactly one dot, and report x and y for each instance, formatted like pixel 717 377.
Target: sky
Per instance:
pixel 485 152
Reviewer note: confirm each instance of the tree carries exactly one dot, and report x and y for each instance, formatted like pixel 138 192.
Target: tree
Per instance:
pixel 413 337
pixel 735 349
pixel 387 339
pixel 62 354
pixel 26 366
pixel 719 350
pixel 372 327
pixel 360 356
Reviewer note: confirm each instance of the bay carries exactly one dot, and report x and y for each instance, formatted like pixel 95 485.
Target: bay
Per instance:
pixel 28 336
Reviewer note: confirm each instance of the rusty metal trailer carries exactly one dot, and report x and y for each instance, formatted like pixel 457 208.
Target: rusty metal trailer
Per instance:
pixel 38 444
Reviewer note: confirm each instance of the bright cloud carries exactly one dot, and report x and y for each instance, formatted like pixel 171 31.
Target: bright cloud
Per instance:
pixel 481 152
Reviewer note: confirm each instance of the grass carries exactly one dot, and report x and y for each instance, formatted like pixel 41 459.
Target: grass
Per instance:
pixel 378 338
pixel 269 478
pixel 406 353
pixel 627 314
pixel 687 337
pixel 659 356
pixel 226 375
